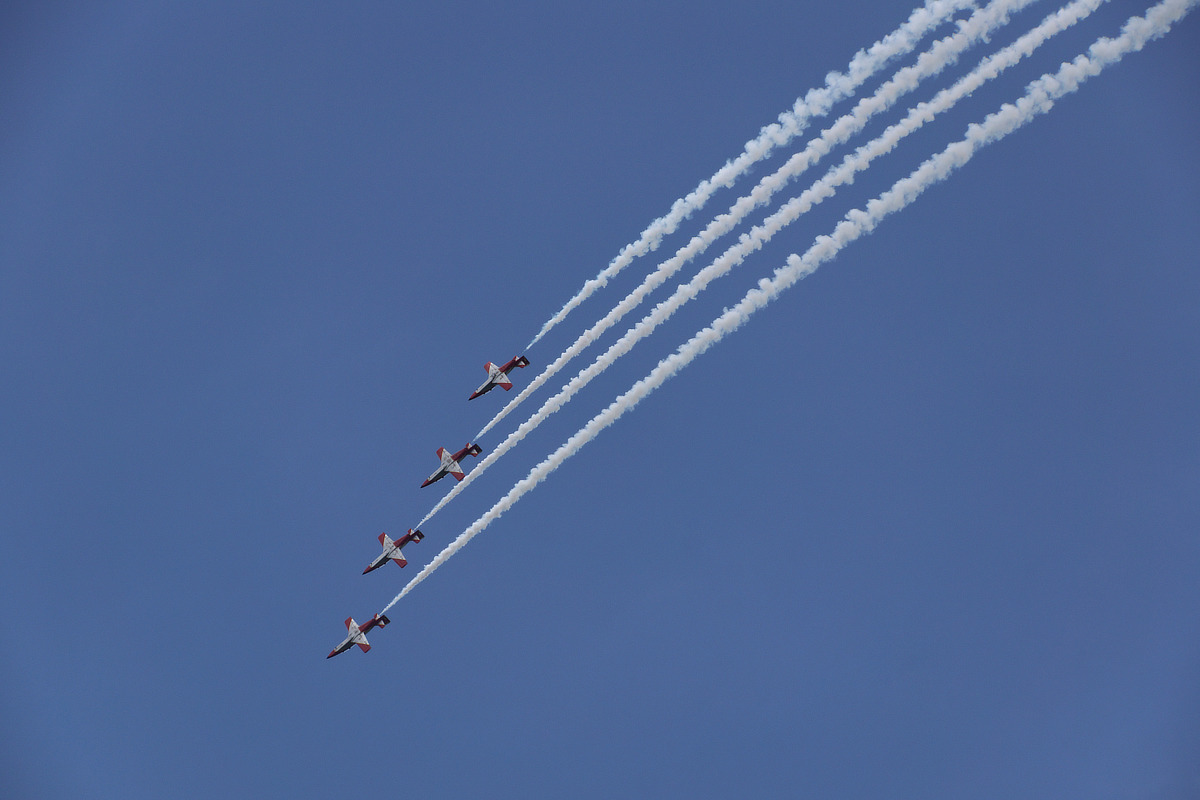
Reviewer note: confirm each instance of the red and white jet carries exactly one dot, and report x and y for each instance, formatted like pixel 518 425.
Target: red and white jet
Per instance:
pixel 356 635
pixel 498 376
pixel 391 550
pixel 450 464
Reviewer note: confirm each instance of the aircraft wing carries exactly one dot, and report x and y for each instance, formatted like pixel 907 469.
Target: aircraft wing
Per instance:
pixel 382 558
pixel 352 633
pixel 440 472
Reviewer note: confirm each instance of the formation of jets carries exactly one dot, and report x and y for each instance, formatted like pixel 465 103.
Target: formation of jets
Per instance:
pixel 451 464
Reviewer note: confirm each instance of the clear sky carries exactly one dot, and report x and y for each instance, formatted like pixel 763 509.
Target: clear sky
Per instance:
pixel 925 527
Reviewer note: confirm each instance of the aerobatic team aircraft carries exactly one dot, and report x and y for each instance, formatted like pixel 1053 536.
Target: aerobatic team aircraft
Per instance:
pixel 450 463
pixel 357 636
pixel 498 376
pixel 391 550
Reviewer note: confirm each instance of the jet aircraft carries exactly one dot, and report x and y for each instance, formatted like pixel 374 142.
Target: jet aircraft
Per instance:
pixel 498 376
pixel 450 465
pixel 391 550
pixel 356 635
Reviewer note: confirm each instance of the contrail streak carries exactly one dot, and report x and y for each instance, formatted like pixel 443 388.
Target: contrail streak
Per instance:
pixel 854 163
pixel 816 102
pixel 1039 98
pixel 940 55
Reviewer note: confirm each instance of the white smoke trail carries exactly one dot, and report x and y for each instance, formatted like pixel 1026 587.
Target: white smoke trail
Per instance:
pixel 854 163
pixel 1040 98
pixel 816 102
pixel 940 55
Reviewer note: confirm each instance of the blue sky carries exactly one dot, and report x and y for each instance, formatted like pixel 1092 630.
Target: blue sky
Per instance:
pixel 926 526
